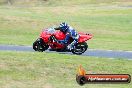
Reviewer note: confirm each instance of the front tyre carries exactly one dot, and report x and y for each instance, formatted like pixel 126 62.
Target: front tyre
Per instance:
pixel 80 48
pixel 39 45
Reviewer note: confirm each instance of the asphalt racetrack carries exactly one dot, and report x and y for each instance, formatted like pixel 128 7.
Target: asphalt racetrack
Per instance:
pixel 89 52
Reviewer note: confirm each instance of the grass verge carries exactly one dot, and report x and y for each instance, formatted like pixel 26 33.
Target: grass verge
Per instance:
pixel 52 70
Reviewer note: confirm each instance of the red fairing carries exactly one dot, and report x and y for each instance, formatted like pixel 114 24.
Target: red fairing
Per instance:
pixel 45 36
pixel 61 36
pixel 58 34
pixel 84 37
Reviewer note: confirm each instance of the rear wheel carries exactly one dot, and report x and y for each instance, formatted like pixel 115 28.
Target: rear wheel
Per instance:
pixel 39 45
pixel 80 48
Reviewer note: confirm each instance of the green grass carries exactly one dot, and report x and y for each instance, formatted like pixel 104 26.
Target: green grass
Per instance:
pixel 59 2
pixel 48 70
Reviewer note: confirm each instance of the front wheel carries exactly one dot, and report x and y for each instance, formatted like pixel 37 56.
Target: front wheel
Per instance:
pixel 80 48
pixel 39 45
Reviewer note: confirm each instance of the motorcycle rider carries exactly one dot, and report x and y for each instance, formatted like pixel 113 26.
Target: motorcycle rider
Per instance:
pixel 70 32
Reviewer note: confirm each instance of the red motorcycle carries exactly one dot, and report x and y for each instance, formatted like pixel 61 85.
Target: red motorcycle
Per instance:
pixel 48 36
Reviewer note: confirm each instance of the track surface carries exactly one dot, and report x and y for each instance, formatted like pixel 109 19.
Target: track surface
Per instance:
pixel 89 52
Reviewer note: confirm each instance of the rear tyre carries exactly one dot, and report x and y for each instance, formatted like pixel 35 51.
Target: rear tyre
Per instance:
pixel 80 48
pixel 39 45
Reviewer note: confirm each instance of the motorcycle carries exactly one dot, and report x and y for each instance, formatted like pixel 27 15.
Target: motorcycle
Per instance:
pixel 48 39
